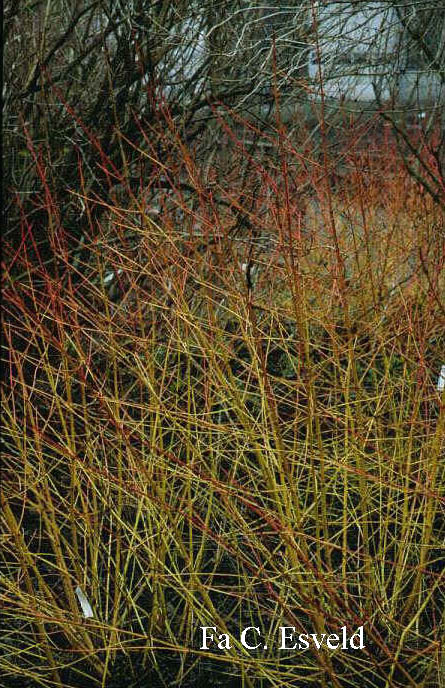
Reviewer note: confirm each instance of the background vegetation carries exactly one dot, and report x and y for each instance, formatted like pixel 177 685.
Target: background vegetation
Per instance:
pixel 113 63
pixel 223 336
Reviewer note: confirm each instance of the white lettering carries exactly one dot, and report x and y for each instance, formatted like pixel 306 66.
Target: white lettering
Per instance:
pixel 243 637
pixel 303 644
pixel 285 636
pixel 318 643
pixel 358 633
pixel 206 637
pixel 335 638
pixel 224 642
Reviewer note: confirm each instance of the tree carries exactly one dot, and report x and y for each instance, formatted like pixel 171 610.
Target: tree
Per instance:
pixel 390 57
pixel 91 73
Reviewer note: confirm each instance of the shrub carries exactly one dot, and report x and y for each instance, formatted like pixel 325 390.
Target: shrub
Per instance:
pixel 222 410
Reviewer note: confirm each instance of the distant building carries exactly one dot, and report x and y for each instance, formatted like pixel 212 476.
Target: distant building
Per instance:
pixel 363 53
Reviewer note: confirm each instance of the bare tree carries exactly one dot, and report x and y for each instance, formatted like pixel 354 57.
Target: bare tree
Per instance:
pixel 86 73
pixel 389 57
